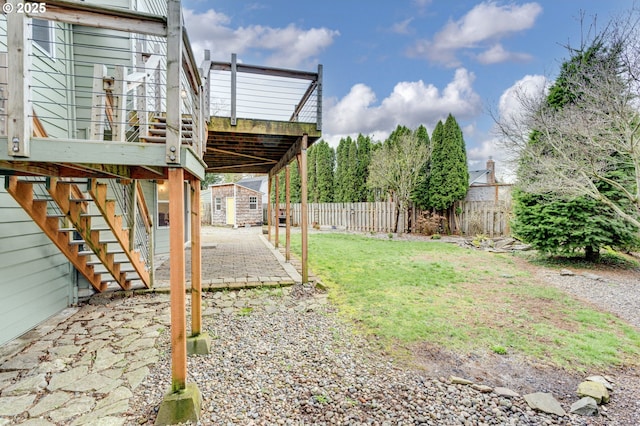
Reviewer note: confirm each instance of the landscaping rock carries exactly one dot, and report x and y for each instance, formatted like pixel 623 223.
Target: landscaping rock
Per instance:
pixel 482 388
pixel 586 406
pixel 600 379
pixel 567 273
pixel 506 392
pixel 459 381
pixel 596 390
pixel 544 402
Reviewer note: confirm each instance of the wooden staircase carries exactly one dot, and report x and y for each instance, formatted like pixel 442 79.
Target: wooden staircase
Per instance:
pixel 158 130
pixel 63 211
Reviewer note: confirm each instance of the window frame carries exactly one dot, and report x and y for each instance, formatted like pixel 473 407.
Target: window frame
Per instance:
pixel 49 50
pixel 163 202
pixel 253 205
pixel 217 202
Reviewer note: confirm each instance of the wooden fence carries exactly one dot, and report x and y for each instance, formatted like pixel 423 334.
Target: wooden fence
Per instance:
pixel 484 217
pixel 476 217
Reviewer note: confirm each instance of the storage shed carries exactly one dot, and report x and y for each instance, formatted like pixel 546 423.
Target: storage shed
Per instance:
pixel 236 205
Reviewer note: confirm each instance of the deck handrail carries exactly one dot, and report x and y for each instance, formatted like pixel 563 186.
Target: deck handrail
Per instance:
pixel 280 94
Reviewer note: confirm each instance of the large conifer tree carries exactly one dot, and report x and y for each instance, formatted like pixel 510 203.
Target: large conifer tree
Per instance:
pixel 325 164
pixel 420 195
pixel 556 224
pixel 449 174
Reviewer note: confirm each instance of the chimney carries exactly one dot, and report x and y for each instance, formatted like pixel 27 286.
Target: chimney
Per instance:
pixel 491 167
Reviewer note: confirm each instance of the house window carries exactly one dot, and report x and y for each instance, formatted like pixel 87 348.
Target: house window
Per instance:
pixel 43 35
pixel 163 205
pixel 218 202
pixel 253 203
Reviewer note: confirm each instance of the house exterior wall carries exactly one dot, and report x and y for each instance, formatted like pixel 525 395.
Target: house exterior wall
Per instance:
pixel 497 192
pixel 244 214
pixel 36 281
pixel 51 80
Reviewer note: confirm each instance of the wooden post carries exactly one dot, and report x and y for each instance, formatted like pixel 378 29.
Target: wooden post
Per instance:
pixel 98 103
pixel 19 78
pixel 287 195
pixel 119 126
pixel 304 222
pixel 269 208
pixel 177 277
pixel 234 79
pixel 277 213
pixel 174 66
pixel 196 261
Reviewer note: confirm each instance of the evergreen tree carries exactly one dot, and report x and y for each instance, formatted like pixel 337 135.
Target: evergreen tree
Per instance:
pixel 398 133
pixel 363 192
pixel 312 173
pixel 325 164
pixel 351 178
pixel 342 154
pixel 449 177
pixel 420 195
pixel 555 224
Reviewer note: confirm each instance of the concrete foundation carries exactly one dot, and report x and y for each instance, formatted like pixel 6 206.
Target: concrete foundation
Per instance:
pixel 199 345
pixel 180 407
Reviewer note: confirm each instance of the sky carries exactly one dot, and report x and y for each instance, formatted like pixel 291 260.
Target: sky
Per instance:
pixel 407 62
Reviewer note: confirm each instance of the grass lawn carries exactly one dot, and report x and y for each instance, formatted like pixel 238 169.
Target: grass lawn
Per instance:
pixel 466 300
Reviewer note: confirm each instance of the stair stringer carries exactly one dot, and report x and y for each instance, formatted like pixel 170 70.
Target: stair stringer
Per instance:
pixel 61 194
pixel 98 192
pixel 22 192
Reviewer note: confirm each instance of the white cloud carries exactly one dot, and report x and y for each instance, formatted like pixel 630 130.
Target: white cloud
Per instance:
pixel 288 47
pixel 410 104
pixel 402 27
pixel 497 54
pixel 485 23
pixel 509 108
pixel 528 87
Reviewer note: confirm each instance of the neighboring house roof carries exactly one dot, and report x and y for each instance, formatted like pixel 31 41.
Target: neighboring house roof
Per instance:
pixel 478 176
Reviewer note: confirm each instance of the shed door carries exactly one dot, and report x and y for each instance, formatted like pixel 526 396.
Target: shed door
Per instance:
pixel 231 210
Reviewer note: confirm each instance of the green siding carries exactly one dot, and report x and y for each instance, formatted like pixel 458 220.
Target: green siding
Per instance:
pixel 36 280
pixel 160 235
pixel 95 46
pixel 50 78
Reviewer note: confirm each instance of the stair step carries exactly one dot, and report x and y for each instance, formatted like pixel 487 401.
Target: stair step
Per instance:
pixel 56 215
pixel 80 200
pixel 115 251
pixel 42 198
pixel 85 253
pixel 90 214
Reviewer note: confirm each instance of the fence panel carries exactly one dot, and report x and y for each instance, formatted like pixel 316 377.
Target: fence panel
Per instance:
pixel 476 217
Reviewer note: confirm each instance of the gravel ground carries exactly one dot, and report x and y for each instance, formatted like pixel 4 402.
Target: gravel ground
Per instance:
pixel 616 292
pixel 292 361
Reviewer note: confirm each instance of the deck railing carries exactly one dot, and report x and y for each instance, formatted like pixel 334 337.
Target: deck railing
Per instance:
pixel 238 90
pixel 108 78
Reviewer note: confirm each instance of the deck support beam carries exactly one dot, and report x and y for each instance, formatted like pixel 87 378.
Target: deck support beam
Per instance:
pixel 199 342
pixel 287 192
pixel 304 223
pixel 269 209
pixel 177 280
pixel 277 213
